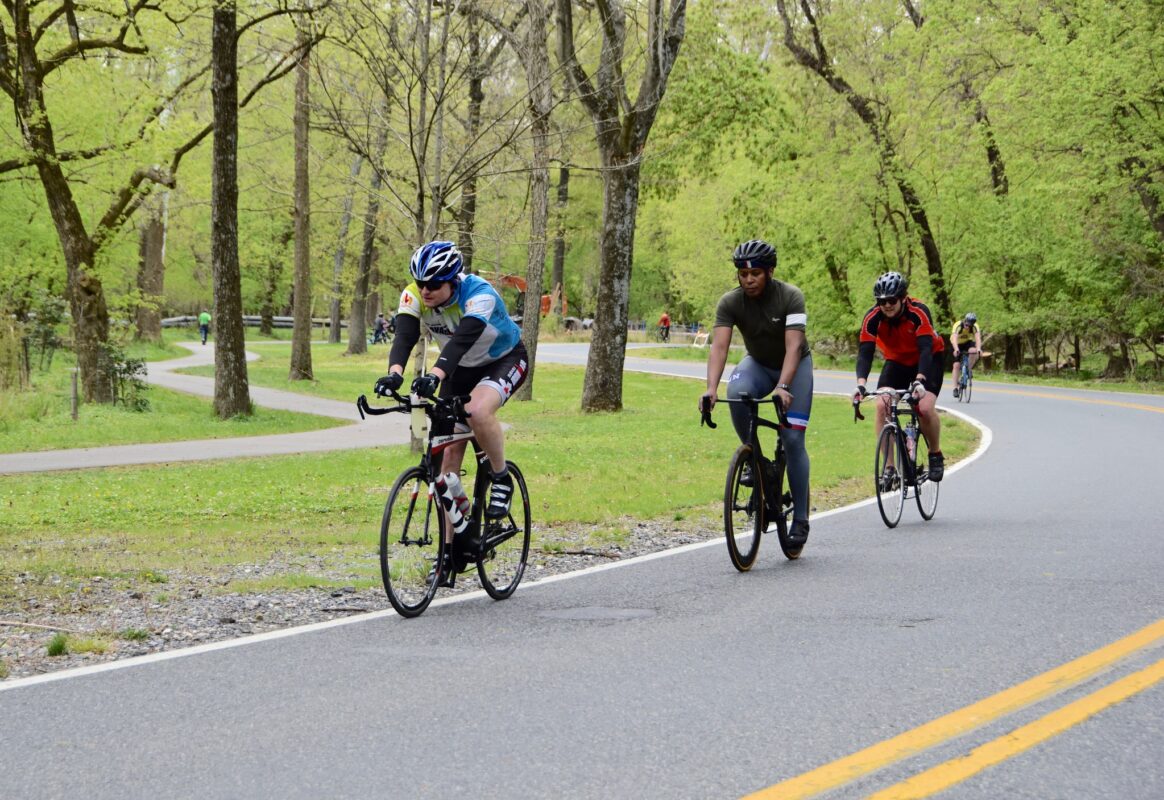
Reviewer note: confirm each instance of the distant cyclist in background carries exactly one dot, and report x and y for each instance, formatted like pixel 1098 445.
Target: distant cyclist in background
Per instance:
pixel 772 319
pixel 482 354
pixel 665 327
pixel 966 328
pixel 903 329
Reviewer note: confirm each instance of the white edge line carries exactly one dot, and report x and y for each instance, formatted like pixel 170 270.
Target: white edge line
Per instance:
pixel 151 658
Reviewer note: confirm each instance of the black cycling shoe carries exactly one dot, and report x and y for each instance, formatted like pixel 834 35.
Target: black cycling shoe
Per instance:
pixel 890 480
pixel 798 532
pixel 937 467
pixel 500 496
pixel 746 478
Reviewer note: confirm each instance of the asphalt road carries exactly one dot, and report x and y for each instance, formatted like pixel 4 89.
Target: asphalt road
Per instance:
pixel 677 677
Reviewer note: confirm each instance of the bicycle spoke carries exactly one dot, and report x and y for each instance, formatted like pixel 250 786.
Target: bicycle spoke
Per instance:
pixel 507 543
pixel 410 543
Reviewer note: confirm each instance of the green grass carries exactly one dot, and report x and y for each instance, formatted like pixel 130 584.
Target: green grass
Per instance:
pixel 58 645
pixel 134 526
pixel 41 418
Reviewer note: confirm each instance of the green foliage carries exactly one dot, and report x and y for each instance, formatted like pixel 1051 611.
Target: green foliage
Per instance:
pixel 58 645
pixel 126 374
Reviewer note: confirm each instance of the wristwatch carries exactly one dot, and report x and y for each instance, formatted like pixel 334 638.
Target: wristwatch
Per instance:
pixel 784 386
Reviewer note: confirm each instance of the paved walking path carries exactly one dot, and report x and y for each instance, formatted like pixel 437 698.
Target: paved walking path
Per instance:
pixel 387 430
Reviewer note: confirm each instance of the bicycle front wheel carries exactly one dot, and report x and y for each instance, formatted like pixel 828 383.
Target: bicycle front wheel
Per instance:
pixel 411 543
pixel 743 509
pixel 969 388
pixel 925 491
pixel 506 545
pixel 888 473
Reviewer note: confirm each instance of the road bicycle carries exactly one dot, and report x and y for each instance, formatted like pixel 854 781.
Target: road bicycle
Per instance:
pixel 751 507
pixel 901 448
pixel 415 533
pixel 965 378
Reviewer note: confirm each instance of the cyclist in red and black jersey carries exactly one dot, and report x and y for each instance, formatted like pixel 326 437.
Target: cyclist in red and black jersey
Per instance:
pixel 903 329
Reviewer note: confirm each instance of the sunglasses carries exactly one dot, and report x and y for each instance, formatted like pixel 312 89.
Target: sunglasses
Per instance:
pixel 430 286
pixel 888 301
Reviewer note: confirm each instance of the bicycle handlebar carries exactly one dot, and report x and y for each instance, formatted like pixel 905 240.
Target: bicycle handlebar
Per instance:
pixel 453 406
pixel 885 391
pixel 744 399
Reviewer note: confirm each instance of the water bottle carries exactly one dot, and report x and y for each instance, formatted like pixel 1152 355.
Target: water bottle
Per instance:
pixel 454 500
pixel 911 441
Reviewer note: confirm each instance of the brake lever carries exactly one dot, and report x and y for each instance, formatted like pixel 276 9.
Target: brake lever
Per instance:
pixel 705 414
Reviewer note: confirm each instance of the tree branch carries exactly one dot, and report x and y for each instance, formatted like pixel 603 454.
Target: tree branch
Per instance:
pixel 568 57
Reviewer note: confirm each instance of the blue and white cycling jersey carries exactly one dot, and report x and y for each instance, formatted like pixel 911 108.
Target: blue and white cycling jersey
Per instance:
pixel 473 296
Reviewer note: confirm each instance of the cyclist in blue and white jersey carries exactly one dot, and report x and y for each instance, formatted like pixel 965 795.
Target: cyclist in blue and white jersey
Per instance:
pixel 482 354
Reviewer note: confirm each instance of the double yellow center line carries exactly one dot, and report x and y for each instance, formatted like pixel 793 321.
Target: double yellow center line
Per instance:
pixel 957 723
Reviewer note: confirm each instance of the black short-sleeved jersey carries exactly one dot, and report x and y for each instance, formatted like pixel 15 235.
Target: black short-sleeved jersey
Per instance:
pixel 763 320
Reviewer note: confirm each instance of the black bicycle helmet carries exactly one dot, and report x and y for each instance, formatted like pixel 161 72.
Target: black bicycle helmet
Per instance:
pixel 754 253
pixel 971 318
pixel 891 284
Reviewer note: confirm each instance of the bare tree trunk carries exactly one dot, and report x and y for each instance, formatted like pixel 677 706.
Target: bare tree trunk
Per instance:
pixel 301 335
pixel 602 389
pixel 231 390
pixel 558 275
pixel 537 70
pixel 151 275
pixel 84 291
pixel 337 291
pixel 358 322
pixel 621 131
pixel 467 214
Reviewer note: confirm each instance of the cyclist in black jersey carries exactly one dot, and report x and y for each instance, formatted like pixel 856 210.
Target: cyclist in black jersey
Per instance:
pixel 771 317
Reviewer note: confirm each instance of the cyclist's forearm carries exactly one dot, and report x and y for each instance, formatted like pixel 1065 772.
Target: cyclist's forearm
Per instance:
pixel 864 361
pixel 407 335
pixel 793 341
pixel 717 357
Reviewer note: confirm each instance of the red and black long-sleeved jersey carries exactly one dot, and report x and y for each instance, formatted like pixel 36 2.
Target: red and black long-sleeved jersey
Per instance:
pixel 909 338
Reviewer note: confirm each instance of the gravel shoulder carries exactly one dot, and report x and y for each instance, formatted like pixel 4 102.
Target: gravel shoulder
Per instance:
pixel 109 623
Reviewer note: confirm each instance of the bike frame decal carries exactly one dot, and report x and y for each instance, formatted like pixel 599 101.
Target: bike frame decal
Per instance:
pixel 439 443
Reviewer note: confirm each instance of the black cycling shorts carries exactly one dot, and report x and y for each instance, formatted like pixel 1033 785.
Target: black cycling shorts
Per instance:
pixel 896 375
pixel 504 375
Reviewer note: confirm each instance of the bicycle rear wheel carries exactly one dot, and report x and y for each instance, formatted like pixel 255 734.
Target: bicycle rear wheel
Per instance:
pixel 888 473
pixel 925 491
pixel 506 546
pixel 411 543
pixel 743 510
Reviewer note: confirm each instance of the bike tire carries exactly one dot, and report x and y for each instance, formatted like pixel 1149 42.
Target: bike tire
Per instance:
pixel 969 389
pixel 412 543
pixel 743 514
pixel 506 545
pixel 925 491
pixel 890 498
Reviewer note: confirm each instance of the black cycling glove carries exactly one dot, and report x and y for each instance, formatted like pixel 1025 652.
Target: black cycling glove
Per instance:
pixel 389 383
pixel 426 385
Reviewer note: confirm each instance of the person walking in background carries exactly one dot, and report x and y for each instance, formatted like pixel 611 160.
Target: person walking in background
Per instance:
pixel 665 327
pixel 204 325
